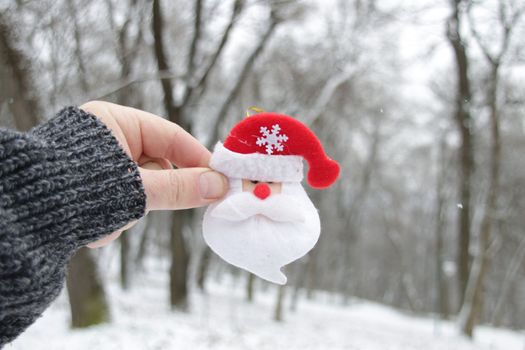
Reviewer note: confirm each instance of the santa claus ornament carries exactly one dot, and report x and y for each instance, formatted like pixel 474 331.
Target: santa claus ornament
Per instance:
pixel 266 219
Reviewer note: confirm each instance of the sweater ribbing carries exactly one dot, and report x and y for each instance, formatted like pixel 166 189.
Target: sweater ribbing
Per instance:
pixel 64 184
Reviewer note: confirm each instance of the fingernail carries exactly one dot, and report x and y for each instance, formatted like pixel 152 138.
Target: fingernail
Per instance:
pixel 212 185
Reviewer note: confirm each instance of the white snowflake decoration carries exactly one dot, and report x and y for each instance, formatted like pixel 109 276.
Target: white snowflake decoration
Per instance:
pixel 272 140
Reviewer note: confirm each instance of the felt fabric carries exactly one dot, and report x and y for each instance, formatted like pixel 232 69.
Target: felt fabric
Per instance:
pixel 256 166
pixel 282 208
pixel 261 231
pixel 262 190
pixel 271 135
pixel 262 236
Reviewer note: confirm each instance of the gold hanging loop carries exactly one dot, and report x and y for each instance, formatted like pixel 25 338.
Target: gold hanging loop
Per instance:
pixel 253 109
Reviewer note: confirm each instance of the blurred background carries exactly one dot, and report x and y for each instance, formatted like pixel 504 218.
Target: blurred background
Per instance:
pixel 421 102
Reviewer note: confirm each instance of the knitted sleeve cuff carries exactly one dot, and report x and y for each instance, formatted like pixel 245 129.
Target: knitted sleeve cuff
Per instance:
pixel 62 185
pixel 82 187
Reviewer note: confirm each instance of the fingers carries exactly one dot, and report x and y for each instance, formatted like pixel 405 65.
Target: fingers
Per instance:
pixel 141 133
pixel 105 240
pixel 105 111
pixel 154 163
pixel 174 189
pixel 111 237
pixel 164 139
pixel 182 188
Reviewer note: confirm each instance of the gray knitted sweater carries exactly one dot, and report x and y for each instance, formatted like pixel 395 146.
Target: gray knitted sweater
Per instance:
pixel 62 185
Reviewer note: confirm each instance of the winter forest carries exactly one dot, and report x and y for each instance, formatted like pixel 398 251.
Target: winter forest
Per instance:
pixel 421 102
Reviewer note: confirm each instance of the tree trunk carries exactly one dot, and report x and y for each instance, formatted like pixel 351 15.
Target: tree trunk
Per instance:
pixel 124 97
pixel 180 256
pixel 144 240
pixel 510 277
pixel 86 293
pixel 202 271
pixel 250 287
pixel 463 121
pixel 299 283
pixel 16 88
pixel 352 215
pixel 278 314
pixel 124 260
pixel 179 263
pixel 441 290
pixel 472 309
pixel 312 274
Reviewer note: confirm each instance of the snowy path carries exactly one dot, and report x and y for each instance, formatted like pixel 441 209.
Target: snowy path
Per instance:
pixel 223 320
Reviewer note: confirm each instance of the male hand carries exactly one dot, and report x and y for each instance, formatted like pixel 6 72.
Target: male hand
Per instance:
pixel 154 144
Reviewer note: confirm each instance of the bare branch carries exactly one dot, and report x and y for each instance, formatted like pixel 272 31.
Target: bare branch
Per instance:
pixel 240 80
pixel 195 39
pixel 192 53
pixel 78 46
pixel 122 84
pixel 507 27
pixel 162 61
pixel 200 87
pixel 328 91
pixel 111 15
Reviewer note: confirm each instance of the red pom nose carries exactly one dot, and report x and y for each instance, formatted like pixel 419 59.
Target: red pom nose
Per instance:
pixel 262 191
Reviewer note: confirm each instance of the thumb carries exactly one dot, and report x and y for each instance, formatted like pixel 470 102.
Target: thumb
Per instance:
pixel 182 188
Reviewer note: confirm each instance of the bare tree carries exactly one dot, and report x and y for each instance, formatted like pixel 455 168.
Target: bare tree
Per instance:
pixel 463 121
pixel 389 225
pixel 472 307
pixel 180 255
pixel 86 292
pixel 221 115
pixel 352 213
pixel 127 96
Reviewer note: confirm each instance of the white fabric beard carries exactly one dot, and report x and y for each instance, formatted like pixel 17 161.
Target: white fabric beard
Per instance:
pixel 262 236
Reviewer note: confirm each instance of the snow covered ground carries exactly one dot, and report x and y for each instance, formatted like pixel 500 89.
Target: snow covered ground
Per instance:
pixel 222 319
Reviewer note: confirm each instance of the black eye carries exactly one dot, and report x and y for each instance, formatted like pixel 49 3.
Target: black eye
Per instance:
pixel 255 182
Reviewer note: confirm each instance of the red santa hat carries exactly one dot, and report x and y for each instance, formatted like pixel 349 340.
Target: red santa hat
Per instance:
pixel 271 147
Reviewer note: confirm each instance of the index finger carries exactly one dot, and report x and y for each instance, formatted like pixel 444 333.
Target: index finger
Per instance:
pixel 164 139
pixel 156 137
